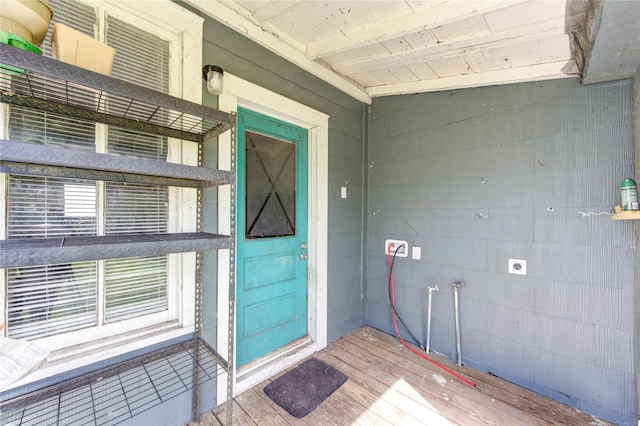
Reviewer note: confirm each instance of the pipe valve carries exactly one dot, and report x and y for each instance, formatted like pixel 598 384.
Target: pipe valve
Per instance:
pixel 457 285
pixel 432 289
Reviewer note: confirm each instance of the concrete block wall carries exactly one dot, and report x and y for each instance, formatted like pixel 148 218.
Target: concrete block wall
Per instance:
pixel 477 176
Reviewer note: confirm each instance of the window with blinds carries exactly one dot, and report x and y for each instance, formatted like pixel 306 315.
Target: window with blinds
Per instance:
pixel 47 300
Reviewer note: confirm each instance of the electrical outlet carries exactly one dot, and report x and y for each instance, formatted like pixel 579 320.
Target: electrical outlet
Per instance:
pixel 398 247
pixel 518 266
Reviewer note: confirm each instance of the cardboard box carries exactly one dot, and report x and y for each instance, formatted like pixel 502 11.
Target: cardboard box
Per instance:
pixel 73 47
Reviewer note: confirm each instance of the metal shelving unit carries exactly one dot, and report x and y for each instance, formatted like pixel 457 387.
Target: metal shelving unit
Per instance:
pixel 48 85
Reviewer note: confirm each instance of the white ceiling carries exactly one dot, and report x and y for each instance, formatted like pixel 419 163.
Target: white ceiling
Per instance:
pixel 389 47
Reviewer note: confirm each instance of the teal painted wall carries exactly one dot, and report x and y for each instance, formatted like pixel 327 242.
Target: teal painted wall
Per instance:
pixel 477 176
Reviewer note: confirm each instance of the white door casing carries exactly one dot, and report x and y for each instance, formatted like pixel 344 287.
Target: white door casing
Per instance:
pixel 241 93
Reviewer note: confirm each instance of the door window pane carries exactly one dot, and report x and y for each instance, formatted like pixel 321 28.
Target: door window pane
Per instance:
pixel 271 187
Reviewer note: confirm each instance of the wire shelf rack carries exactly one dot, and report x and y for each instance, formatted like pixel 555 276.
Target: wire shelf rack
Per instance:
pixel 45 84
pixel 115 394
pixel 118 393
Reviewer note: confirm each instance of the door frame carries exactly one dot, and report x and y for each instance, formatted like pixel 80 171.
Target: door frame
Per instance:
pixel 241 93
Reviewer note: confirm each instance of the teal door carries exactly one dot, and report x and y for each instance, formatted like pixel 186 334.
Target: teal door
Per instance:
pixel 272 235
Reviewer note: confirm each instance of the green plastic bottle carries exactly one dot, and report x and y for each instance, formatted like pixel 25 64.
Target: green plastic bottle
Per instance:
pixel 629 192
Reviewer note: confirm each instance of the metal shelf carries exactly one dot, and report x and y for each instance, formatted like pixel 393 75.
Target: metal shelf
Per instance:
pixel 119 392
pixel 55 86
pixel 18 253
pixel 116 394
pixel 32 159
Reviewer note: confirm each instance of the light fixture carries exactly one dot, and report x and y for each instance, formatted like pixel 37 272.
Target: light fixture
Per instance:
pixel 212 75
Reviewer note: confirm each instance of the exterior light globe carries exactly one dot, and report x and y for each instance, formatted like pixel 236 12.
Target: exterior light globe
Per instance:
pixel 213 75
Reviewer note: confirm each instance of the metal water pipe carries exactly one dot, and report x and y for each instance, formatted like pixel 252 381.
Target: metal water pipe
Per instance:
pixel 431 290
pixel 456 287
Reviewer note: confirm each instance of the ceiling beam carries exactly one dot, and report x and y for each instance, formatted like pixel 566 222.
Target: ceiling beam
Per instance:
pixel 549 71
pixel 422 20
pixel 458 47
pixel 249 27
pixel 272 9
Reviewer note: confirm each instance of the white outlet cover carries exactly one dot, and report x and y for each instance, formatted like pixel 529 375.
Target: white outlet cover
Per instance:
pixel 396 243
pixel 416 253
pixel 518 266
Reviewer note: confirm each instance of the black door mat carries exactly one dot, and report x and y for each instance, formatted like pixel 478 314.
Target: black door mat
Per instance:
pixel 302 389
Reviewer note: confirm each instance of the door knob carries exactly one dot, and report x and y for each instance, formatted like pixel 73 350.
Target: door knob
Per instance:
pixel 303 246
pixel 304 256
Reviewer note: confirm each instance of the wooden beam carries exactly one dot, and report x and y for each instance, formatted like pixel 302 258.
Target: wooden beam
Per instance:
pixel 273 8
pixel 422 20
pixel 554 70
pixel 455 48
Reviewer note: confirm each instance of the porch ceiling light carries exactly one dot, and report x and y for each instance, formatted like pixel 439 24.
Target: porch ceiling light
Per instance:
pixel 212 75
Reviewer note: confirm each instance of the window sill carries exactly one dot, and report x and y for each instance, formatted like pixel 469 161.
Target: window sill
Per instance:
pixel 68 359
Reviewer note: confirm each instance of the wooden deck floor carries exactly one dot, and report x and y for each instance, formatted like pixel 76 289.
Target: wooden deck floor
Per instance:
pixel 388 385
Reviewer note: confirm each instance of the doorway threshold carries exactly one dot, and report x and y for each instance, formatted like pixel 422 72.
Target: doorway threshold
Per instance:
pixel 267 366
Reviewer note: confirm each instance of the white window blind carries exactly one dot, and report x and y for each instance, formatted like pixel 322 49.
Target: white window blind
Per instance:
pixel 41 207
pixel 125 142
pixel 143 58
pixel 135 209
pixel 47 300
pixel 51 129
pixel 50 299
pixel 134 287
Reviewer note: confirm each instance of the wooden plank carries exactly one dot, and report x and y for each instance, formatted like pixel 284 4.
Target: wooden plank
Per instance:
pixel 240 417
pixel 414 395
pixel 385 400
pixel 552 412
pixel 529 401
pixel 456 47
pixel 626 215
pixel 341 409
pixel 548 71
pixel 389 385
pixel 415 370
pixel 523 399
pixel 207 419
pixel 258 409
pixel 432 17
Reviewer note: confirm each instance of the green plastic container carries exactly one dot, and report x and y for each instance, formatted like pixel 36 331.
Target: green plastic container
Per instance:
pixel 20 43
pixel 629 194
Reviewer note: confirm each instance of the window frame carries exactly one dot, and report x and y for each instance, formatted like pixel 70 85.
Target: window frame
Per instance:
pixel 183 30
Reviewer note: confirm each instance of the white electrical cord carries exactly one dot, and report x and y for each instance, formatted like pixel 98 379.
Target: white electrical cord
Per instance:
pixel 587 214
